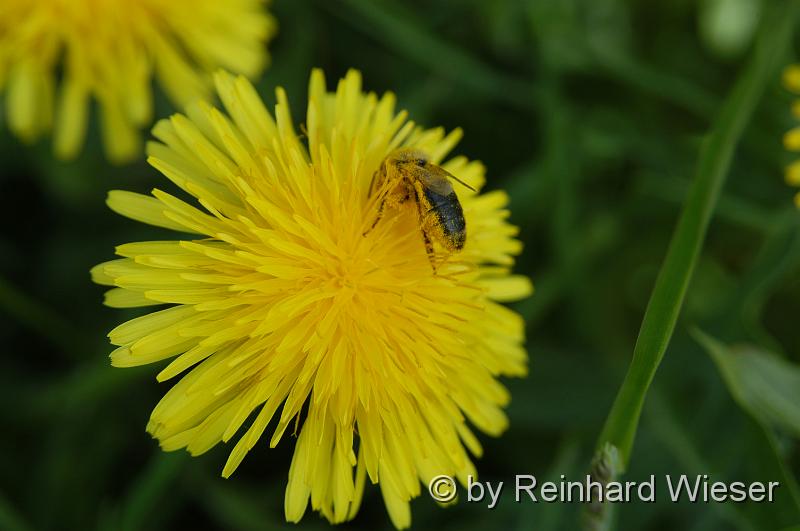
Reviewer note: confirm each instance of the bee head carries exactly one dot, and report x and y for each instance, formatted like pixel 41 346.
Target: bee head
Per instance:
pixel 411 156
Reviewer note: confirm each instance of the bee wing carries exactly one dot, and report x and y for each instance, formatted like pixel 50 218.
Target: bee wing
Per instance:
pixel 441 172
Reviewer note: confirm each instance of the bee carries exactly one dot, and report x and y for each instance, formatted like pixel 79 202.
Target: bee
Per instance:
pixel 408 173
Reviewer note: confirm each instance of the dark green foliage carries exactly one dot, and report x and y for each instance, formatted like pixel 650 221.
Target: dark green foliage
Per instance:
pixel 591 114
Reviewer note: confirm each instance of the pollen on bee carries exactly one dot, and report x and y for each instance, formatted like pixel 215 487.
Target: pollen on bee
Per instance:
pixel 406 174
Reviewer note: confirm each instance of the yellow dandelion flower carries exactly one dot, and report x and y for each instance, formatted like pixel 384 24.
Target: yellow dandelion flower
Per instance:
pixel 57 55
pixel 280 302
pixel 791 140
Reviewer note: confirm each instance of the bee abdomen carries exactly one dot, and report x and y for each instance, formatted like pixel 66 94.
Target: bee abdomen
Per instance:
pixel 450 217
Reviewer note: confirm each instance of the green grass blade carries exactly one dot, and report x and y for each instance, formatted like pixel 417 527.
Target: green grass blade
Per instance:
pixel 399 29
pixel 764 384
pixel 687 240
pixel 767 387
pixel 146 500
pixel 10 519
pixel 34 315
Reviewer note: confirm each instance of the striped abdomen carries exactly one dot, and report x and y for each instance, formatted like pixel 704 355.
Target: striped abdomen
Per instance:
pixel 450 217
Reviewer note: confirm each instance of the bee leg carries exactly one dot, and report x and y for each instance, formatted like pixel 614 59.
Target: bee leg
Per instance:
pixel 381 207
pixel 394 202
pixel 429 249
pixel 423 218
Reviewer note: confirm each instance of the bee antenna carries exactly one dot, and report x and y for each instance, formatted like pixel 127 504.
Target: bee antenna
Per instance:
pixel 459 181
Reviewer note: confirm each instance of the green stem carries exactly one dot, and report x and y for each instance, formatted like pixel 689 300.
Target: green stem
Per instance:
pixel 676 271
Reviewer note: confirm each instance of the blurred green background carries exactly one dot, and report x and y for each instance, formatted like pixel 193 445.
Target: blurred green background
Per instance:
pixel 590 113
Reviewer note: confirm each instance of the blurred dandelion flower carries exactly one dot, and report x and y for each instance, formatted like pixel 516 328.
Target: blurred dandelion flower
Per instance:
pixel 791 140
pixel 55 55
pixel 280 301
